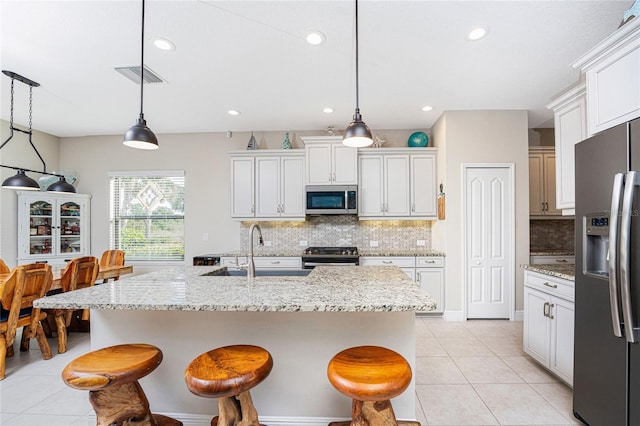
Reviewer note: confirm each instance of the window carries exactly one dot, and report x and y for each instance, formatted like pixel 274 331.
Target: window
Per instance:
pixel 146 215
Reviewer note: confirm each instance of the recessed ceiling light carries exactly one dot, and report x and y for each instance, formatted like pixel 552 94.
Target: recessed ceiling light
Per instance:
pixel 315 38
pixel 163 44
pixel 327 110
pixel 233 112
pixel 477 33
pixel 427 108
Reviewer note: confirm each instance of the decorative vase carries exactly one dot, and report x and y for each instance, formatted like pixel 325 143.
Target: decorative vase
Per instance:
pixel 253 144
pixel 286 143
pixel 418 140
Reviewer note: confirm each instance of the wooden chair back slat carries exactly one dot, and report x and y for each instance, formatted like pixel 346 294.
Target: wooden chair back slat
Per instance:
pixel 79 273
pixel 4 269
pixel 25 284
pixel 112 258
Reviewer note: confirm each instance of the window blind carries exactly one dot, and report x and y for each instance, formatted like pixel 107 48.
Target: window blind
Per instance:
pixel 146 215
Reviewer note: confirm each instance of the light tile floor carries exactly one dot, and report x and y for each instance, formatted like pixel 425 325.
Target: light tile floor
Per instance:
pixel 472 373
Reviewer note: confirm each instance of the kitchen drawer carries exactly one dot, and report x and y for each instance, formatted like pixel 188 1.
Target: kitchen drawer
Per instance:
pixel 277 262
pixel 230 262
pixel 429 262
pixel 400 261
pixel 550 285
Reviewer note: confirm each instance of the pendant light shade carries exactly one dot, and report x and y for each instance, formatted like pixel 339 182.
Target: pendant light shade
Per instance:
pixel 357 134
pixel 140 135
pixel 21 181
pixel 61 186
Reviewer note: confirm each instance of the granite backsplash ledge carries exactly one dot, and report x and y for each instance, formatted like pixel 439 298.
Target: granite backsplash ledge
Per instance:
pixel 341 230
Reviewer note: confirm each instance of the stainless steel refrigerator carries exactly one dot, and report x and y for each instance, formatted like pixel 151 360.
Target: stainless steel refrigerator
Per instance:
pixel 607 279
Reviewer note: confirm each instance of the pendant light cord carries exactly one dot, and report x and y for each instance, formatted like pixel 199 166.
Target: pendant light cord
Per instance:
pixel 357 67
pixel 142 65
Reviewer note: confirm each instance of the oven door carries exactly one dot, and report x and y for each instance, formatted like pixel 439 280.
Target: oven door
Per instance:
pixel 310 262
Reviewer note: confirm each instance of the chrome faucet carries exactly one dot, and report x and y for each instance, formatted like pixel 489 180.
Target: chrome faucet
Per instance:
pixel 251 267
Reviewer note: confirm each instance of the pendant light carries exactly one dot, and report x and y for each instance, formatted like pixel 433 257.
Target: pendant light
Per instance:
pixel 20 181
pixel 357 134
pixel 139 135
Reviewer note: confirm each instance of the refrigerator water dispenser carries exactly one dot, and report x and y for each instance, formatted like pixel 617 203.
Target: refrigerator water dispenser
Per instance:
pixel 596 245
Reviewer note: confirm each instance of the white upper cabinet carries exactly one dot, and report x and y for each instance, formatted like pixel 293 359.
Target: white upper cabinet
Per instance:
pixel 329 162
pixel 397 183
pixel 542 183
pixel 242 184
pixel 268 185
pixel 570 120
pixel 612 70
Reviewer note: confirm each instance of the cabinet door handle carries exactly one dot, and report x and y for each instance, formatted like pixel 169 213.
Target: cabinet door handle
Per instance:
pixel 275 262
pixel 253 208
pixel 561 260
pixel 429 261
pixel 388 262
pixel 545 309
pixel 550 308
pixel 550 285
pixel 542 204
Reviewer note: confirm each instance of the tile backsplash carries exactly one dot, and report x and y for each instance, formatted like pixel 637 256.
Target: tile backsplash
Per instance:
pixel 552 235
pixel 341 230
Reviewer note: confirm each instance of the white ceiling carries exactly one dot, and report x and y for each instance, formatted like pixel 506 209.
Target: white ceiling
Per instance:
pixel 252 56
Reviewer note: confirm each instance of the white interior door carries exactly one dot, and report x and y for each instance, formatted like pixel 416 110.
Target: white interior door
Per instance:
pixel 489 210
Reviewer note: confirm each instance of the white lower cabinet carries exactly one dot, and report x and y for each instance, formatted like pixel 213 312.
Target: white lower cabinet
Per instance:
pixel 428 271
pixel 430 276
pixel 549 323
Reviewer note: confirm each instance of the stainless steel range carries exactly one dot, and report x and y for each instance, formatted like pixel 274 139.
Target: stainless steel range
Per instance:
pixel 340 256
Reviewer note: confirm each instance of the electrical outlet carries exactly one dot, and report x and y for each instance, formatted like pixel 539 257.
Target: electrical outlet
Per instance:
pixel 205 236
pixel 421 242
pixel 303 243
pixel 373 243
pixel 267 243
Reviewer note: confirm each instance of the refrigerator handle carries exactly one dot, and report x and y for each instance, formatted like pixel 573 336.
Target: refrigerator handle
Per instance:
pixel 631 181
pixel 616 319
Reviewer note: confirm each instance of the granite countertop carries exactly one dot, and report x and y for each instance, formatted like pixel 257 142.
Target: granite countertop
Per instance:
pixel 400 252
pixel 566 272
pixel 325 289
pixel 552 253
pixel 366 252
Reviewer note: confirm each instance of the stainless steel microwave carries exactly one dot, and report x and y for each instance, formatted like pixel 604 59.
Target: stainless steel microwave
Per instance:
pixel 331 199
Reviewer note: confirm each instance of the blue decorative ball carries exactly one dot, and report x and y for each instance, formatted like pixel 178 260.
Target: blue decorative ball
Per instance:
pixel 418 140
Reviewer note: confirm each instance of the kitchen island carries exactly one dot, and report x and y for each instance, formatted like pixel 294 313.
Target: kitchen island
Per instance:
pixel 301 321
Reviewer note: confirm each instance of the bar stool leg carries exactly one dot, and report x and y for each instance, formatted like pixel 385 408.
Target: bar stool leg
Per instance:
pixel 236 411
pixel 117 404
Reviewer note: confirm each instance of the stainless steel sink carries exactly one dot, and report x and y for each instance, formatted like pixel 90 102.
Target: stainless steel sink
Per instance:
pixel 260 273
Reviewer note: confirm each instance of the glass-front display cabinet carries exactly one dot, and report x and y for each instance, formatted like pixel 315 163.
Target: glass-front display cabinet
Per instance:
pixel 52 228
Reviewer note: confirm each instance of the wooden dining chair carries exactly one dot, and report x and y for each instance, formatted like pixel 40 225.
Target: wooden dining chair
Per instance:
pixel 4 269
pixel 112 258
pixel 25 284
pixel 79 273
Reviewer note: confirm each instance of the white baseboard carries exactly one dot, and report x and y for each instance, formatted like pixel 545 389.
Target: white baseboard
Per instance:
pixel 453 316
pixel 519 315
pixel 205 420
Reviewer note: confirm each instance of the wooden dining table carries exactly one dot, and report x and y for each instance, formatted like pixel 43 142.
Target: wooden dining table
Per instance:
pixel 105 272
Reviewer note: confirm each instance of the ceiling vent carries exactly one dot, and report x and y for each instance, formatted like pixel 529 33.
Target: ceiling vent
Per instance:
pixel 133 74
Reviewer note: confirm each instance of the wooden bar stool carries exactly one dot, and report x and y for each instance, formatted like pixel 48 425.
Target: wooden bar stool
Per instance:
pixel 228 373
pixel 371 376
pixel 111 376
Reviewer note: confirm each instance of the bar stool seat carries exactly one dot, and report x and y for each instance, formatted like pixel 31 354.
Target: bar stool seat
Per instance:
pixel 228 373
pixel 370 376
pixel 111 376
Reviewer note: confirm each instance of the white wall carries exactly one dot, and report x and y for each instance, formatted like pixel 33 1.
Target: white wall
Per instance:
pixel 18 152
pixel 479 137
